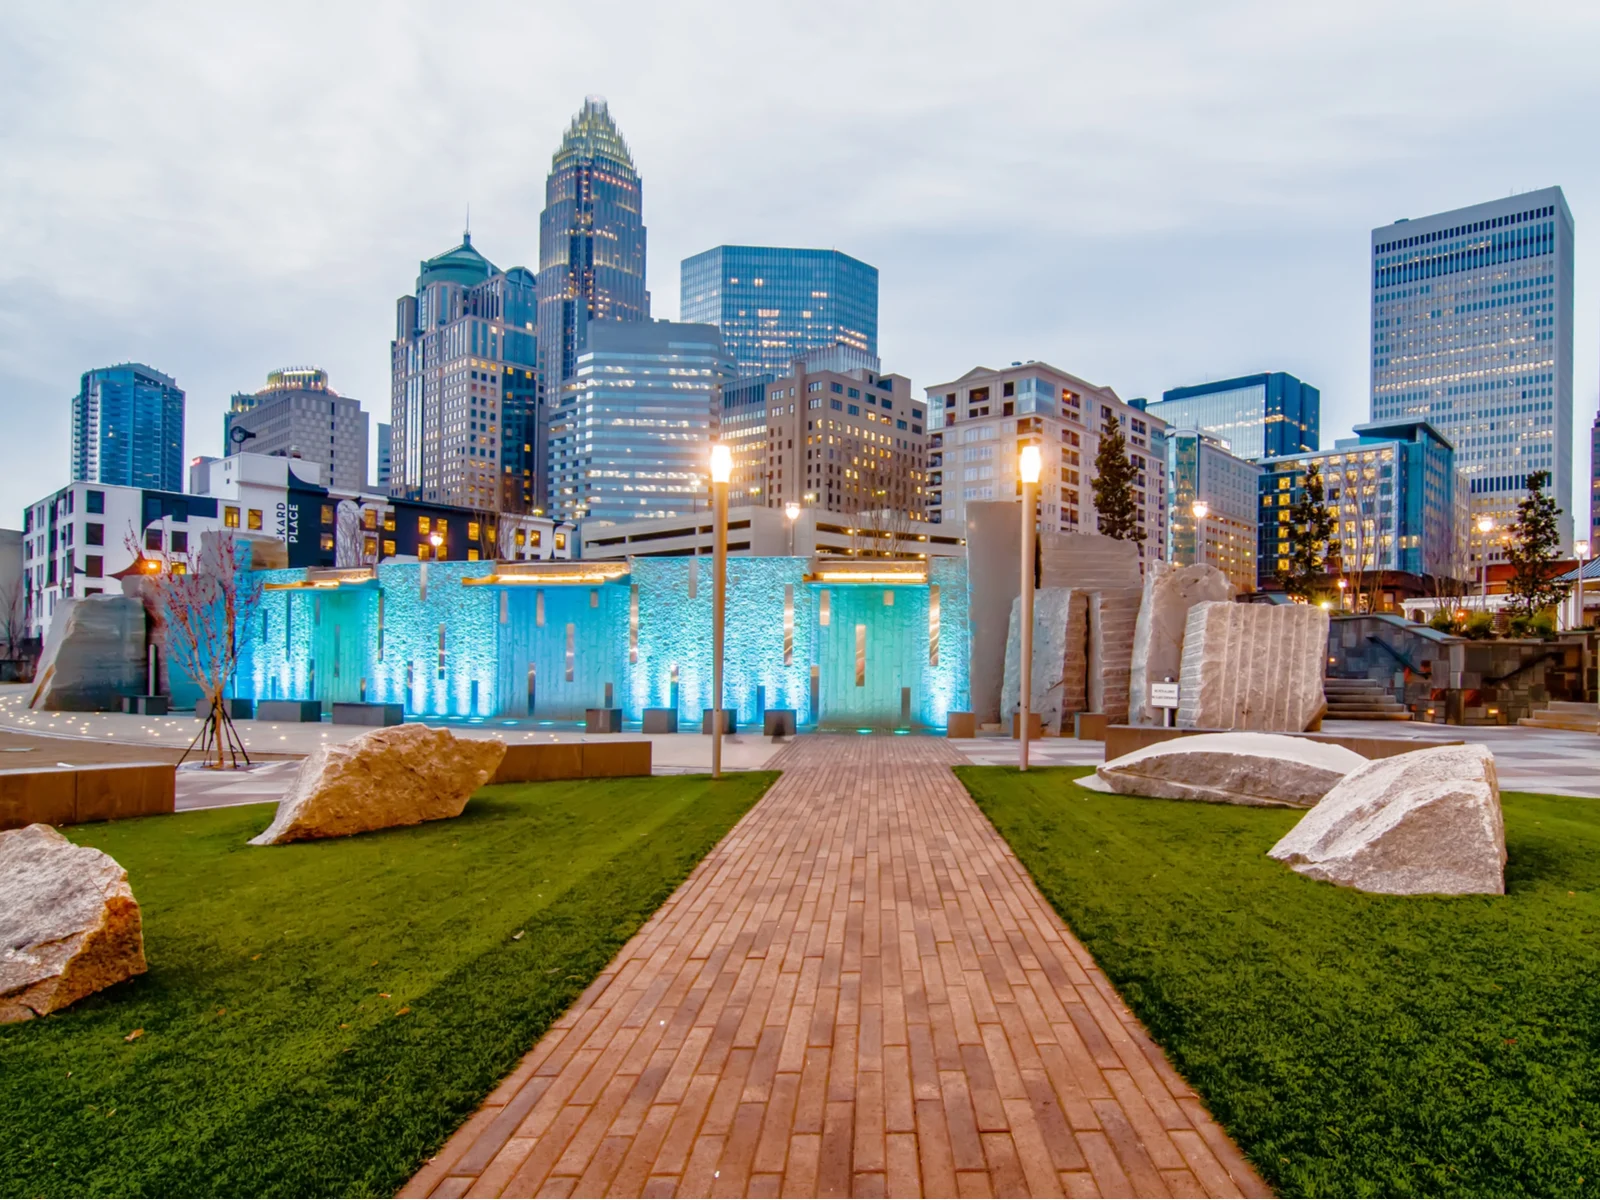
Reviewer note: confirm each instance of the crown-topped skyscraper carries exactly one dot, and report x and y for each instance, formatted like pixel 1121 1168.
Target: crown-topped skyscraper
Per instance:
pixel 591 241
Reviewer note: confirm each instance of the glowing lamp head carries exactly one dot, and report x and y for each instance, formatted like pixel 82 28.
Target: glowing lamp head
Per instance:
pixel 1581 548
pixel 1029 464
pixel 1200 508
pixel 792 511
pixel 721 463
pixel 436 540
pixel 1485 523
pixel 1343 585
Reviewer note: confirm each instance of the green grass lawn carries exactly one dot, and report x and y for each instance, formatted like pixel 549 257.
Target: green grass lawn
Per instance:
pixel 1352 1044
pixel 319 1017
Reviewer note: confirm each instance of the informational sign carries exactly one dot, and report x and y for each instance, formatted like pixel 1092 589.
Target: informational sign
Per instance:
pixel 1163 695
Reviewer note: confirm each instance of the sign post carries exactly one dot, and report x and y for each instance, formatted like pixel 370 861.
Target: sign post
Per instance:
pixel 1165 696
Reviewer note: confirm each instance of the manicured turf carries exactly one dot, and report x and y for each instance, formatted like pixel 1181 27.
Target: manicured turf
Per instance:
pixel 1352 1044
pixel 319 1017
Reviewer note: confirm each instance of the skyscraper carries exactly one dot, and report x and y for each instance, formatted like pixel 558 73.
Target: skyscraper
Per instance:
pixel 591 241
pixel 1200 469
pixel 465 386
pixel 775 304
pixel 1472 333
pixel 1258 416
pixel 127 428
pixel 385 458
pixel 632 431
pixel 297 415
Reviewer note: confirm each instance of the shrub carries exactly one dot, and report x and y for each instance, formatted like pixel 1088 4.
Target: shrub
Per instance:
pixel 1444 621
pixel 1478 625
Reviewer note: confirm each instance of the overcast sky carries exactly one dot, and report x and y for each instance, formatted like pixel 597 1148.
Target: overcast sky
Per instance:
pixel 1145 194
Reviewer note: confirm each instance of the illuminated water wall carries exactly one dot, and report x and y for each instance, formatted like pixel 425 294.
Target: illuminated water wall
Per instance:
pixel 839 654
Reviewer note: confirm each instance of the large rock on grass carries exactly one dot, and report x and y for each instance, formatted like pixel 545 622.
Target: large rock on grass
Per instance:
pixel 402 775
pixel 1233 768
pixel 1428 822
pixel 69 924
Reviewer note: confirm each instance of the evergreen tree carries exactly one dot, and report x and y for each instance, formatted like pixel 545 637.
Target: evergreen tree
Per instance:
pixel 1113 487
pixel 1535 542
pixel 1310 531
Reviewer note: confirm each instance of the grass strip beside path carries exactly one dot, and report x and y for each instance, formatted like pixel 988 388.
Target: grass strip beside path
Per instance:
pixel 319 1017
pixel 1352 1044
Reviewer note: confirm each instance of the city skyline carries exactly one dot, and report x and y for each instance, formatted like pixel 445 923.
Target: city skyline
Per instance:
pixel 1137 292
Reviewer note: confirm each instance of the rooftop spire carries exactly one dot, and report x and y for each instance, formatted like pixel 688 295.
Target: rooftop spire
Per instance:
pixel 593 134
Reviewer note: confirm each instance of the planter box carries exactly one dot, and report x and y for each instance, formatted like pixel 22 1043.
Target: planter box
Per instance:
pixel 778 722
pixel 368 714
pixel 305 711
pixel 602 720
pixel 661 720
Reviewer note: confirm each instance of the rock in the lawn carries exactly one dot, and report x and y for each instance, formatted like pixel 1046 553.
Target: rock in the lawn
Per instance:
pixel 1428 822
pixel 1233 768
pixel 69 924
pixel 402 775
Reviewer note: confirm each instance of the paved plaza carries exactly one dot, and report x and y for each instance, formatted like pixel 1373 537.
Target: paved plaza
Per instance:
pixel 859 992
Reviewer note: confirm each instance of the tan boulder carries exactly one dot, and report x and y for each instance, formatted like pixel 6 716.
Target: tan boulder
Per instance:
pixel 402 775
pixel 1157 655
pixel 69 924
pixel 1424 823
pixel 1253 666
pixel 1262 769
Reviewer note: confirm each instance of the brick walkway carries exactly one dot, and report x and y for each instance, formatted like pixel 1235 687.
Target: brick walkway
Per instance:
pixel 859 992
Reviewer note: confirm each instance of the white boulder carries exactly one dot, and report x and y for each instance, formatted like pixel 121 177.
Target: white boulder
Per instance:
pixel 402 775
pixel 1427 822
pixel 1253 666
pixel 1233 768
pixel 69 924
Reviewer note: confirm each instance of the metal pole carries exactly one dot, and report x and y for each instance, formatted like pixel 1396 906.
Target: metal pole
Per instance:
pixel 1025 623
pixel 719 601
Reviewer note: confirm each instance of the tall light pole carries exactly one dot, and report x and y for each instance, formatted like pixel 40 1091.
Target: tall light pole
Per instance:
pixel 1582 549
pixel 792 511
pixel 1485 526
pixel 1028 468
pixel 1199 508
pixel 721 473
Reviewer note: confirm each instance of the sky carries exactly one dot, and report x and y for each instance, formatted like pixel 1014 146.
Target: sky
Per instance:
pixel 1146 194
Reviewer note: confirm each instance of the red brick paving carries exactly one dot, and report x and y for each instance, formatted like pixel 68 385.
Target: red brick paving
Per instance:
pixel 859 992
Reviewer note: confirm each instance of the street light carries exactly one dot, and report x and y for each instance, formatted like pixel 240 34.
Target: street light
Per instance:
pixel 721 473
pixel 1485 525
pixel 1582 549
pixel 1199 508
pixel 1342 586
pixel 1028 466
pixel 792 511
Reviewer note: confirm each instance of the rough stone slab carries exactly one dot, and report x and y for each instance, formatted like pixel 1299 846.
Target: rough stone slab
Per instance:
pixel 1113 622
pixel 994 547
pixel 1424 823
pixel 1259 769
pixel 1060 649
pixel 1253 666
pixel 1090 562
pixel 402 775
pixel 69 924
pixel 93 655
pixel 1169 593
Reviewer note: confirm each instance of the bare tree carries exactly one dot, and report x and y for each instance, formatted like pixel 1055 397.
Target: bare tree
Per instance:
pixel 13 616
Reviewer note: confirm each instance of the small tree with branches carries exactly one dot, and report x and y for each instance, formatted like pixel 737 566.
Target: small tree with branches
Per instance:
pixel 1311 528
pixel 1533 546
pixel 1114 476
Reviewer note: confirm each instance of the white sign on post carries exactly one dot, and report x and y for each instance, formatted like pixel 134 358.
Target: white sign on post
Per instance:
pixel 1163 695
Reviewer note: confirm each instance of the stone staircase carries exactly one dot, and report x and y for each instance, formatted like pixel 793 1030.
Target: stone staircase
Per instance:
pixel 1565 714
pixel 1361 700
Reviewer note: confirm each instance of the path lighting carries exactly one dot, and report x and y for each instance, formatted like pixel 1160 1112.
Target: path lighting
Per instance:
pixel 721 473
pixel 792 511
pixel 1485 527
pixel 1199 508
pixel 1581 548
pixel 1342 586
pixel 1028 466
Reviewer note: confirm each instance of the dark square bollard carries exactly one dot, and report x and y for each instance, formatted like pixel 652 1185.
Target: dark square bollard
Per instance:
pixel 304 711
pixel 730 720
pixel 146 706
pixel 602 720
pixel 237 708
pixel 660 720
pixel 368 714
pixel 778 722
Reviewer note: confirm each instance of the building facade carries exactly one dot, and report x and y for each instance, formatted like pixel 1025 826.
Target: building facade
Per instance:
pixel 384 471
pixel 1399 502
pixel 465 387
pixel 756 530
pixel 297 415
pixel 127 428
pixel 774 304
pixel 1255 416
pixel 1472 327
pixel 591 241
pixel 977 425
pixel 1200 469
pixel 631 434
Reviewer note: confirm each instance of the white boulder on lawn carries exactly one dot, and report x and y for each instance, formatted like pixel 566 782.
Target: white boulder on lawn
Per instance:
pixel 1423 823
pixel 1232 768
pixel 69 924
pixel 402 775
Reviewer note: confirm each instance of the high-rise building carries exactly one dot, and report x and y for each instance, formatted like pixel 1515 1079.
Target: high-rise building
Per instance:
pixel 1472 333
pixel 385 470
pixel 1399 502
pixel 631 434
pixel 1256 416
pixel 591 241
pixel 774 304
pixel 1200 470
pixel 127 428
pixel 1594 486
pixel 465 386
pixel 297 415
pixel 831 431
pixel 978 424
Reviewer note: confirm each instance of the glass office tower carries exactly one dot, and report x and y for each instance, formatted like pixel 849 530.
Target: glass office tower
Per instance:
pixel 1472 332
pixel 775 304
pixel 127 428
pixel 1258 416
pixel 591 240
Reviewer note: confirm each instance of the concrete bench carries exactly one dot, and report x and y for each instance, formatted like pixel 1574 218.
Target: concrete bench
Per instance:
pixel 301 711
pixel 525 763
pixel 368 714
pixel 74 795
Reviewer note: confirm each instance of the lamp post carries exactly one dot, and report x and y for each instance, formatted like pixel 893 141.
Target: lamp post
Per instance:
pixel 1485 526
pixel 1342 586
pixel 792 511
pixel 1199 508
pixel 721 472
pixel 1582 549
pixel 1028 465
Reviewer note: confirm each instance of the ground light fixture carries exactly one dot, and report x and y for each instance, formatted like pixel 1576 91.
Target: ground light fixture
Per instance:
pixel 721 473
pixel 1028 465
